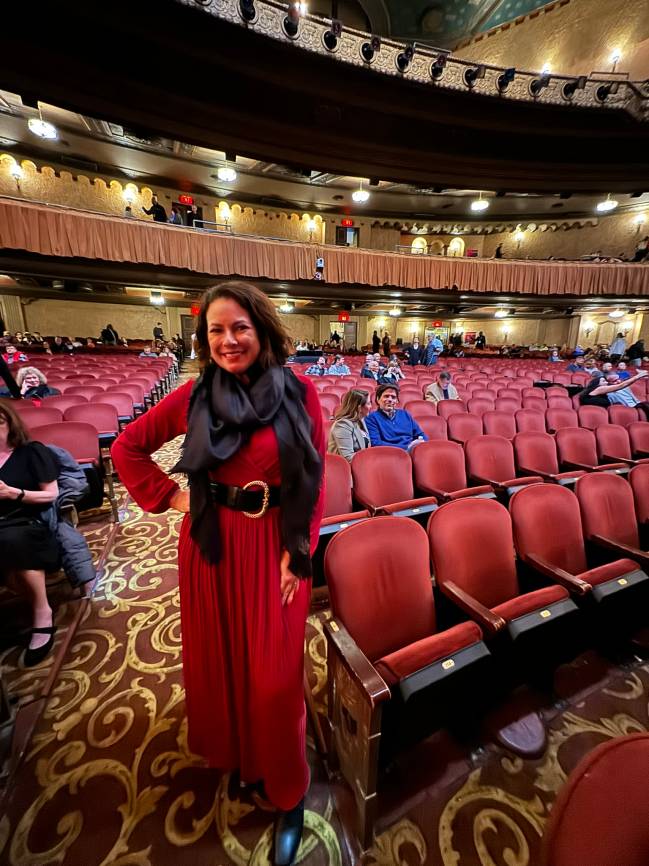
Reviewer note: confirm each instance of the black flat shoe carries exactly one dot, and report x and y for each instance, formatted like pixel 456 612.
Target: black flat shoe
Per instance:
pixel 35 656
pixel 288 835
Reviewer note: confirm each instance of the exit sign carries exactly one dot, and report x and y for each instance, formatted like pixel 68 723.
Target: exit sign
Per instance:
pixel 196 308
pixel 347 223
pixel 437 324
pixel 186 199
pixel 343 317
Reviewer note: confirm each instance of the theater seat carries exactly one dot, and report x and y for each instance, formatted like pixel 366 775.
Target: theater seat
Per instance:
pixel 530 421
pixel 392 675
pixel 383 483
pixel 623 415
pixel 446 408
pixel 608 515
pixel 536 454
pixel 462 427
pixel 338 508
pixel 600 815
pixel 639 479
pixel 472 551
pixel 577 449
pixel 490 460
pixel 499 424
pixel 592 417
pixel 439 471
pixel 613 445
pixel 433 427
pixel 639 438
pixel 556 419
pixel 549 538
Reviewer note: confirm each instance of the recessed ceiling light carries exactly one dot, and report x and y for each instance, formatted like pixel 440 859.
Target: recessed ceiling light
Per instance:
pixel 42 128
pixel 607 205
pixel 226 174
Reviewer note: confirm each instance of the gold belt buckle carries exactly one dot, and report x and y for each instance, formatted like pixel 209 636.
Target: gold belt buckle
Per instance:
pixel 264 505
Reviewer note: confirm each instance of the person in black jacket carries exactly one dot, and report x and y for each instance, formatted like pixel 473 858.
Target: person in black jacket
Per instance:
pixel 156 210
pixel 414 352
pixel 109 335
pixel 376 343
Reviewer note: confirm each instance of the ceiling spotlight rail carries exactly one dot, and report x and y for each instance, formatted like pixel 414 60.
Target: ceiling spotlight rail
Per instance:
pixel 292 22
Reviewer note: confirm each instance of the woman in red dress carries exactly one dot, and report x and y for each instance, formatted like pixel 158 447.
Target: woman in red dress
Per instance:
pixel 253 454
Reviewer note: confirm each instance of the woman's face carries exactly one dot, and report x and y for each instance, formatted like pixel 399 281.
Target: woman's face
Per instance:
pixel 31 380
pixel 4 429
pixel 232 336
pixel 366 408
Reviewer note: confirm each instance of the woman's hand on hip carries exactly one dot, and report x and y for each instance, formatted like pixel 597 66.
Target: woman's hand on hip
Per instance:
pixel 288 582
pixel 180 501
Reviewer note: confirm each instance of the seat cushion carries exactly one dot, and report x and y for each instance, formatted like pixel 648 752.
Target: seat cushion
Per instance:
pixel 470 491
pixel 397 665
pixel 531 601
pixel 408 503
pixel 609 571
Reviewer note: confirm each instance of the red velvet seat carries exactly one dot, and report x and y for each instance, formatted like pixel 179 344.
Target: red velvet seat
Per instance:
pixel 439 471
pixel 549 537
pixel 577 449
pixel 383 483
pixel 639 480
pixel 434 427
pixel 562 402
pixel 608 515
pixel 472 551
pixel 102 416
pixel 446 408
pixel 64 401
pixel 555 419
pixel 536 454
pixel 639 438
pixel 480 405
pixel 463 426
pixel 600 815
pixel 506 404
pixel 90 392
pixel 613 445
pixel 530 421
pixel 534 393
pixel 508 393
pixel 338 505
pixel 622 415
pixel 35 416
pixel 329 403
pixel 421 409
pixel 538 404
pixel 557 390
pixel 499 424
pixel 490 460
pixel 592 417
pixel 122 402
pixel 385 655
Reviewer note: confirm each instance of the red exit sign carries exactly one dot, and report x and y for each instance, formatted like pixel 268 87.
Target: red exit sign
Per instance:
pixel 347 223
pixel 437 324
pixel 343 317
pixel 196 308
pixel 186 199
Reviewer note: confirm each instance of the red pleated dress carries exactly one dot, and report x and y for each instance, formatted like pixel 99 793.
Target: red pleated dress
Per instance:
pixel 243 653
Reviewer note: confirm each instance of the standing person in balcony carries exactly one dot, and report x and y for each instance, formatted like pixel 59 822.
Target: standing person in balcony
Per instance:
pixel 109 335
pixel 376 343
pixel 414 353
pixel 254 454
pixel 386 345
pixel 617 348
pixel 158 333
pixel 156 210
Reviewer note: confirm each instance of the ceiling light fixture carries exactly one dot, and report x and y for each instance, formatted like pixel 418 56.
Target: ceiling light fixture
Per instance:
pixel 501 314
pixel 226 174
pixel 395 312
pixel 617 314
pixel 404 58
pixel 286 307
pixel 157 299
pixel 360 195
pixel 607 205
pixel 473 74
pixel 479 204
pixel 519 236
pixel 42 128
pixel 330 37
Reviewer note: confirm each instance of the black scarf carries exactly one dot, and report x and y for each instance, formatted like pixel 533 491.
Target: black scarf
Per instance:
pixel 223 413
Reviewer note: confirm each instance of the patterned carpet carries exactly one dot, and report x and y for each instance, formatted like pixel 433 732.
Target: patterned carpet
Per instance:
pixel 108 778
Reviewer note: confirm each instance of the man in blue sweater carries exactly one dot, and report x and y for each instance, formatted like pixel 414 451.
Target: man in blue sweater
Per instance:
pixel 391 426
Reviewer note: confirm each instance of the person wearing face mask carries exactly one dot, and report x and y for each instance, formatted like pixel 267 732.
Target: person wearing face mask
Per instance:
pixel 391 426
pixel 348 433
pixel 253 453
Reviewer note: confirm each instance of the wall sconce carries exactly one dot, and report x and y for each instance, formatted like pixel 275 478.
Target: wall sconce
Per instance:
pixel 589 327
pixel 505 335
pixel 311 227
pixel 17 173
pixel 157 299
pixel 380 323
pixel 286 307
pixel 639 220
pixel 626 327
pixel 129 195
pixel 225 213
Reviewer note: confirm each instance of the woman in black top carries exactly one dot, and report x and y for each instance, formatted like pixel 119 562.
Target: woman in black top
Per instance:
pixel 28 473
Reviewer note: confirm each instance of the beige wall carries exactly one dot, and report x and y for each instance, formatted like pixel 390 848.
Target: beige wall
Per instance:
pixel 574 37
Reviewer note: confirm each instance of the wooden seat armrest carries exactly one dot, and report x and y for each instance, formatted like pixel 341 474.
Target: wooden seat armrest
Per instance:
pixel 570 465
pixel 546 476
pixel 606 458
pixel 625 550
pixel 373 688
pixel 489 621
pixel 488 481
pixel 558 575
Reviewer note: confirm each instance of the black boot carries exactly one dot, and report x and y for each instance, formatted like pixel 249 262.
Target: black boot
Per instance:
pixel 288 834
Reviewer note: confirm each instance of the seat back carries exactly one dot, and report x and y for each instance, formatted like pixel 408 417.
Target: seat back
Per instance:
pixel 530 421
pixel 64 401
pixel 35 416
pixel 547 523
pixel 623 415
pixel 77 438
pixel 607 507
pixel 439 466
pixel 463 426
pixel 88 391
pixel 446 408
pixel 559 402
pixel 480 405
pixel 329 402
pixel 471 545
pixel 102 416
pixel 608 785
pixel 506 404
pixel 556 419
pixel 499 424
pixel 576 445
pixel 639 478
pixel 382 475
pixel 490 457
pixel 536 452
pixel 592 417
pixel 338 486
pixel 122 402
pixel 538 404
pixel 379 583
pixel 433 427
pixel 612 441
pixel 639 437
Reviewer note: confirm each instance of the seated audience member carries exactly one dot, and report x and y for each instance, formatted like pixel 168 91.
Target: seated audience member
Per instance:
pixel 622 371
pixel 604 391
pixel 414 353
pixel 37 338
pixel 338 368
pixel 33 383
pixel 59 346
pixel 442 389
pixel 379 359
pixel 554 357
pixel 590 367
pixel 13 356
pixel 635 353
pixel 27 547
pixel 576 365
pixel 368 360
pixel 317 369
pixel 391 426
pixel 90 343
pixel 373 371
pixel 148 352
pixel 394 373
pixel 348 433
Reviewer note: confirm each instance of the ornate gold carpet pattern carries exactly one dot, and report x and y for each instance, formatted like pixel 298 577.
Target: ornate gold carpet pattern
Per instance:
pixel 108 778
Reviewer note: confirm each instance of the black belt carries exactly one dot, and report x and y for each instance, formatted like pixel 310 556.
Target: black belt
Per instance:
pixel 254 498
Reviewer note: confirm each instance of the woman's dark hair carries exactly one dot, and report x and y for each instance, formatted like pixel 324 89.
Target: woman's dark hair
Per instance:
pixel 273 337
pixel 351 405
pixel 17 434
